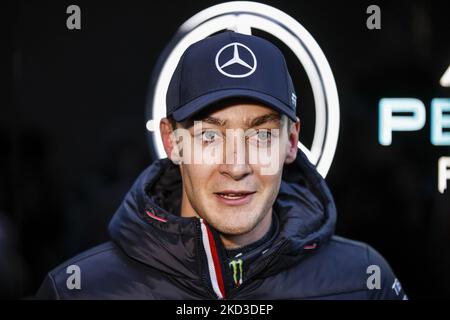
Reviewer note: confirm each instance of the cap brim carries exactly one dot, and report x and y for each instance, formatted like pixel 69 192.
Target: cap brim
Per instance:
pixel 204 101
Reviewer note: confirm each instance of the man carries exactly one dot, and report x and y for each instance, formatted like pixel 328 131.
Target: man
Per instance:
pixel 236 211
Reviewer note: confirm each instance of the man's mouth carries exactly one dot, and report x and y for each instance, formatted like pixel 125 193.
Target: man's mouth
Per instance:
pixel 233 194
pixel 234 197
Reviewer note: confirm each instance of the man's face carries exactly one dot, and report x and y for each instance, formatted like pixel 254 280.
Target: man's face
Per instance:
pixel 235 196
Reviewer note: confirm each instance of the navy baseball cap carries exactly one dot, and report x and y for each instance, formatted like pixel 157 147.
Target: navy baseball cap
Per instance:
pixel 230 65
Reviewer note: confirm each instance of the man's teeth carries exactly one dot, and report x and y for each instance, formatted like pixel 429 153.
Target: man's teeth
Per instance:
pixel 232 195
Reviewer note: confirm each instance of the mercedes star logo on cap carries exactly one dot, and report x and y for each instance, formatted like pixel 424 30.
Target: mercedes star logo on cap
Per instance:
pixel 248 65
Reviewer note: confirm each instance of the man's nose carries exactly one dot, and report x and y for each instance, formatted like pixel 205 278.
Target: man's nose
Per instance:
pixel 236 164
pixel 236 171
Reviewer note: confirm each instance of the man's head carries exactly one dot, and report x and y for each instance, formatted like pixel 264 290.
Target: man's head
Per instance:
pixel 231 104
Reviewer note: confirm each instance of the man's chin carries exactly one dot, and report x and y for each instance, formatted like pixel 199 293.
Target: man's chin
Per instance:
pixel 229 224
pixel 233 231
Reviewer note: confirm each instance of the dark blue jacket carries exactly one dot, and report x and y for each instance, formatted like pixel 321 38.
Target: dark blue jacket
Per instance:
pixel 156 254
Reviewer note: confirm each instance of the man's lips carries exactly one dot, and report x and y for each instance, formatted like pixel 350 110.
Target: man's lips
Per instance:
pixel 234 197
pixel 234 193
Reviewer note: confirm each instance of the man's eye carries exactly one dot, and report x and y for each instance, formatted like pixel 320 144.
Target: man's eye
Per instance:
pixel 264 135
pixel 209 136
pixel 260 137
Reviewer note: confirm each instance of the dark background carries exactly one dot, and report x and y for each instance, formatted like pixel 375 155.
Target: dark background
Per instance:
pixel 73 137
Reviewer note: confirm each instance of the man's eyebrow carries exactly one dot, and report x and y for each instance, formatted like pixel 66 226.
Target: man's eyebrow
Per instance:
pixel 276 117
pixel 215 121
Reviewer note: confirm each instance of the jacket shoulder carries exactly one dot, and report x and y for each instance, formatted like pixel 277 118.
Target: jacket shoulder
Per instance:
pixel 359 267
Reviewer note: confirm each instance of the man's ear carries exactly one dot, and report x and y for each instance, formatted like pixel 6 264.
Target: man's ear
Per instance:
pixel 169 140
pixel 293 136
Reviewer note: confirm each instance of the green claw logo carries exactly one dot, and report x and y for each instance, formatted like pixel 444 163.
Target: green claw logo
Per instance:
pixel 235 264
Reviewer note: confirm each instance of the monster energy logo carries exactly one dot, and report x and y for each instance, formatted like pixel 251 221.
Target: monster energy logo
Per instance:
pixel 235 264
